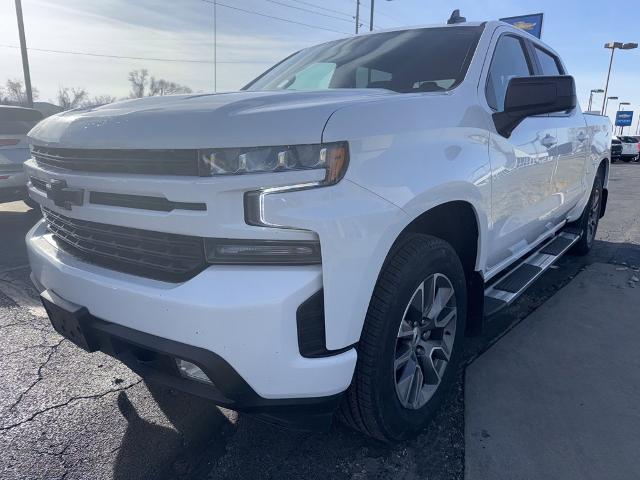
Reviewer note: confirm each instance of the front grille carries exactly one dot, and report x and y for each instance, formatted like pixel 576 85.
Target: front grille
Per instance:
pixel 147 162
pixel 161 256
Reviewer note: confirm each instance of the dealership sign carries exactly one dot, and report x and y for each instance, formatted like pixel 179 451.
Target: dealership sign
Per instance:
pixel 529 23
pixel 623 118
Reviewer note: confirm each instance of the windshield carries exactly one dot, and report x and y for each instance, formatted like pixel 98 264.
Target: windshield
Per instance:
pixel 420 60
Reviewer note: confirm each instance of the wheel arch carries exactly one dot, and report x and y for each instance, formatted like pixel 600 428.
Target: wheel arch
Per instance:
pixel 458 223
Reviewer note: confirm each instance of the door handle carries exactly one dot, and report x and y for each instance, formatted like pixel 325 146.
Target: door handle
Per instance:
pixel 548 141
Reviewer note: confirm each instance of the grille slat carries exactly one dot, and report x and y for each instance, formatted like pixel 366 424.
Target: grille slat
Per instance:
pixel 157 255
pixel 147 162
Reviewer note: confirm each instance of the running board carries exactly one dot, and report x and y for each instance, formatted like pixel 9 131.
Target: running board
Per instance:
pixel 508 288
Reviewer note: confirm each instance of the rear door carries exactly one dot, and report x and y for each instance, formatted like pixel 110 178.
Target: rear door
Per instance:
pixel 522 165
pixel 573 141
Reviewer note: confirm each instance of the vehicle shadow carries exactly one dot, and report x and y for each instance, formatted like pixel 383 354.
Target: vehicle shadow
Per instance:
pixel 261 451
pixel 155 450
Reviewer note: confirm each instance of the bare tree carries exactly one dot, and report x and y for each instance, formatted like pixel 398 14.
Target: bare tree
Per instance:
pixel 142 84
pixel 139 80
pixel 100 100
pixel 69 98
pixel 14 92
pixel 165 87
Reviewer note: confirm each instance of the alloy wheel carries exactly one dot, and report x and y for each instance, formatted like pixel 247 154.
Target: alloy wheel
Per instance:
pixel 425 341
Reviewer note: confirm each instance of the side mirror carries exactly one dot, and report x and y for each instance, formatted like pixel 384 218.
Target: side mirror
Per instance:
pixel 528 96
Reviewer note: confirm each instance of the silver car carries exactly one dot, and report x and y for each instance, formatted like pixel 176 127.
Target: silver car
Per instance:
pixel 15 122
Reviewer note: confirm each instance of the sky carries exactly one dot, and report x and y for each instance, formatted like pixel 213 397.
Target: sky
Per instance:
pixel 175 39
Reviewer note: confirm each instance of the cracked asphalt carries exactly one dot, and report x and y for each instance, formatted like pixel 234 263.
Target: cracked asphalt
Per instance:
pixel 68 414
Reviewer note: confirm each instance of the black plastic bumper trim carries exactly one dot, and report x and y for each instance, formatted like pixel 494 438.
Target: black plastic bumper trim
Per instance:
pixel 143 202
pixel 312 342
pixel 153 358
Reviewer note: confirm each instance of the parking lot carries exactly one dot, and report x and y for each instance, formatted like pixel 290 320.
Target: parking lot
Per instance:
pixel 69 414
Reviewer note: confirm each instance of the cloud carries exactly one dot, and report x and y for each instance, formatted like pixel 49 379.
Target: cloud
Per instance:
pixel 176 30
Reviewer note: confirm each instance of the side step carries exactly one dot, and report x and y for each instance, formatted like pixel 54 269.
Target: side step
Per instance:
pixel 510 286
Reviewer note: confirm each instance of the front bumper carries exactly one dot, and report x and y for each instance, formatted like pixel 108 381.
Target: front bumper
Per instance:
pixel 242 315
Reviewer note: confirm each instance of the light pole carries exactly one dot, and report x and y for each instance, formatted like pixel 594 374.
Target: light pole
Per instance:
pixel 613 46
pixel 606 104
pixel 357 16
pixel 595 90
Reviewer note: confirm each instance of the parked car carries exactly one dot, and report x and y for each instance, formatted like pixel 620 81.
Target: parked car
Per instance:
pixel 630 148
pixel 323 240
pixel 616 150
pixel 15 122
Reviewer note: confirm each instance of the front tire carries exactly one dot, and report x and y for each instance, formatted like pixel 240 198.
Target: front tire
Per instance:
pixel 588 223
pixel 411 344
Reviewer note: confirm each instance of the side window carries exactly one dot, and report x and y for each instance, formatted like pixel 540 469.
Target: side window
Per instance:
pixel 550 64
pixel 315 76
pixel 509 60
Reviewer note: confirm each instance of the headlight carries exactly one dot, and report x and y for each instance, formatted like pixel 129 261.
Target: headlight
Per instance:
pixel 331 157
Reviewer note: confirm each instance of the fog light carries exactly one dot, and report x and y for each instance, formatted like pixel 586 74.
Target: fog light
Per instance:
pixel 191 371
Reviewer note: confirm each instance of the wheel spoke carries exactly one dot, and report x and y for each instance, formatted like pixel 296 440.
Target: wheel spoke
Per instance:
pixel 406 330
pixel 403 384
pixel 449 316
pixel 416 387
pixel 431 374
pixel 441 299
pixel 403 358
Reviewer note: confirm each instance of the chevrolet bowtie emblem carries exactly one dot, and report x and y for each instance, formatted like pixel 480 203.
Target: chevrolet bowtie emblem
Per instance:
pixel 62 195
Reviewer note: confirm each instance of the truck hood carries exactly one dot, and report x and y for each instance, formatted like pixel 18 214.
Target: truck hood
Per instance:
pixel 238 119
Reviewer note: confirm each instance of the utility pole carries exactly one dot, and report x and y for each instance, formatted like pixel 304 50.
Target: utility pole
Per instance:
pixel 25 58
pixel 215 47
pixel 371 17
pixel 357 16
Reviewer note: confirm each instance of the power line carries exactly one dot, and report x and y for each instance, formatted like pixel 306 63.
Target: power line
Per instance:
pixel 322 8
pixel 154 59
pixel 252 12
pixel 310 11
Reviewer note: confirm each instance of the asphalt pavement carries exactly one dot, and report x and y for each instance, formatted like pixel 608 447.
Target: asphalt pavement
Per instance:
pixel 68 414
pixel 556 398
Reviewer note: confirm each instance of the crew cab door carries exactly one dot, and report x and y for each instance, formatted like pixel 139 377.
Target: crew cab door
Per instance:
pixel 522 165
pixel 573 141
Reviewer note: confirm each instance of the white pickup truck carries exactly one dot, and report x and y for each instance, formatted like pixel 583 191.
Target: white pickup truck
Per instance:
pixel 323 240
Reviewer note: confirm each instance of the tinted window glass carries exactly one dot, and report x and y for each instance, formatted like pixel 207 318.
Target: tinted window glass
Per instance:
pixel 428 59
pixel 508 61
pixel 548 63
